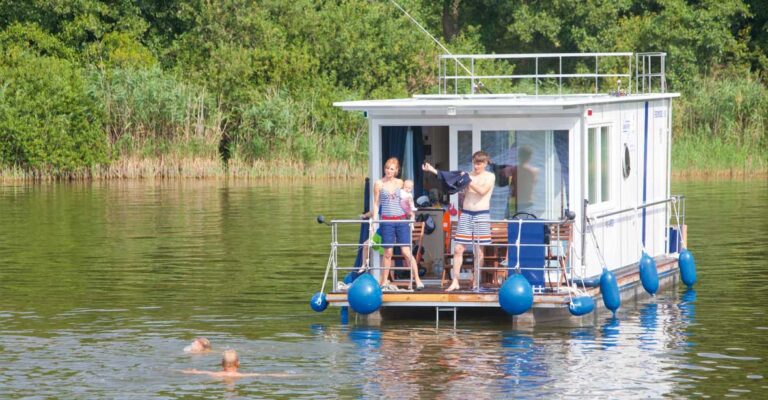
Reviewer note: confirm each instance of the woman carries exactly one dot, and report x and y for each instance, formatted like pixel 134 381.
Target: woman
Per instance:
pixel 386 194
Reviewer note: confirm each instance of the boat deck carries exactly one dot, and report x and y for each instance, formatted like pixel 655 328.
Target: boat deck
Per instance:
pixel 432 296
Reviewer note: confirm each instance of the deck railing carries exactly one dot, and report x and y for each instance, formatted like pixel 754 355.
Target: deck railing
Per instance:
pixel 461 74
pixel 336 245
pixel 555 249
pixel 675 216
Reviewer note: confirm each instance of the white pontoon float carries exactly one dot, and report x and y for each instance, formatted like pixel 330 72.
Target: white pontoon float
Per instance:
pixel 582 185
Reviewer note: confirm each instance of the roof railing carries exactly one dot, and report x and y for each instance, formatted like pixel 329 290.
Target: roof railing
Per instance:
pixel 644 77
pixel 461 74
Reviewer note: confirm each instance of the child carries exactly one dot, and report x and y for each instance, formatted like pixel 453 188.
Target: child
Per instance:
pixel 406 199
pixel 199 345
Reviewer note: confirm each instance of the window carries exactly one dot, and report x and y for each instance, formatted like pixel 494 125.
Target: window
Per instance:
pixel 531 169
pixel 598 164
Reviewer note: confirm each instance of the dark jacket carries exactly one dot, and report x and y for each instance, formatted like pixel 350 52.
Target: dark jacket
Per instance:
pixel 453 181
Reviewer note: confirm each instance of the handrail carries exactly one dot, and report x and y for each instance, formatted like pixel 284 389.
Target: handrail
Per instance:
pixel 334 224
pixel 644 71
pixel 553 244
pixel 646 205
pixel 475 78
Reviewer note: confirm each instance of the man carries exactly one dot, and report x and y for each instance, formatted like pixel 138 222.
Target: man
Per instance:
pixel 229 365
pixel 473 227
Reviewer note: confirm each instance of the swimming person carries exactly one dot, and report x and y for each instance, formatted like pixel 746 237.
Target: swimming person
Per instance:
pixel 473 227
pixel 387 194
pixel 229 365
pixel 199 345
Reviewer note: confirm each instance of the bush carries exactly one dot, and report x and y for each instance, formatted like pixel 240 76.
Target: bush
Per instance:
pixel 48 122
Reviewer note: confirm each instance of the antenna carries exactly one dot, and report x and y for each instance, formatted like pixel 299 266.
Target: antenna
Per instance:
pixel 432 37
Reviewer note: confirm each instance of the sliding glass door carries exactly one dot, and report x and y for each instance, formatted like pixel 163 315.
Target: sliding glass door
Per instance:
pixel 531 168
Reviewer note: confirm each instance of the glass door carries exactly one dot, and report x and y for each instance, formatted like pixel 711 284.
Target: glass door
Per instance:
pixel 531 168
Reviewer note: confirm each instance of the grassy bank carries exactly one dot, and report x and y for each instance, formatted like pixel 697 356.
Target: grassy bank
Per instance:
pixel 192 168
pixel 693 158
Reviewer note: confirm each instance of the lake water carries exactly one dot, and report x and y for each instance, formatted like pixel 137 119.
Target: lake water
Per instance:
pixel 103 284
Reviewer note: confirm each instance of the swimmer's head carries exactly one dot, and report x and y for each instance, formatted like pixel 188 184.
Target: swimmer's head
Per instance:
pixel 199 345
pixel 229 361
pixel 408 185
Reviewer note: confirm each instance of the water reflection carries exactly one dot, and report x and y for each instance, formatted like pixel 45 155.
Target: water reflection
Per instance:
pixel 522 363
pixel 610 332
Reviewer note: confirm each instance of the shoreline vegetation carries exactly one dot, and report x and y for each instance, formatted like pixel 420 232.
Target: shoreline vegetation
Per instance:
pixel 98 89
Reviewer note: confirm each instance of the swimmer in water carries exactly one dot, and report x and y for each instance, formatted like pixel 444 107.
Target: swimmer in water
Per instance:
pixel 199 345
pixel 229 365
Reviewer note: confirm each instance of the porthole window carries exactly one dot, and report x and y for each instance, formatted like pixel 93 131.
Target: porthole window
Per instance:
pixel 625 168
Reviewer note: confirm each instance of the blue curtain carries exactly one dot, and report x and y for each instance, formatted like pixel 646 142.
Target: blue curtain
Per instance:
pixel 363 227
pixel 393 145
pixel 418 159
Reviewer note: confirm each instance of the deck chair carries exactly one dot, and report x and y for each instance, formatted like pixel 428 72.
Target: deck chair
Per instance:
pixel 417 237
pixel 561 237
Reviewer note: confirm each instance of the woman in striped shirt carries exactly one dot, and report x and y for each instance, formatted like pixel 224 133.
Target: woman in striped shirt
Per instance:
pixel 386 194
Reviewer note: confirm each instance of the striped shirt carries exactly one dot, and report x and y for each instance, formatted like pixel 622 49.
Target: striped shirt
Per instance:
pixel 390 203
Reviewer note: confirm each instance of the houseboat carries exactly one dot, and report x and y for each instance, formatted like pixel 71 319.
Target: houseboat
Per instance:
pixel 581 212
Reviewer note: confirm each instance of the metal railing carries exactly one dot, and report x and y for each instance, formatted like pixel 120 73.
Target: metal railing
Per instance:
pixel 672 212
pixel 451 67
pixel 644 75
pixel 335 245
pixel 553 251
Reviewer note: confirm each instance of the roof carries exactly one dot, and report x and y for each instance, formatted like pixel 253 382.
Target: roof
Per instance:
pixel 495 102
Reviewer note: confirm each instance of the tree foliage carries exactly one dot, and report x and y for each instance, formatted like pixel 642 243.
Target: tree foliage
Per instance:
pixel 255 79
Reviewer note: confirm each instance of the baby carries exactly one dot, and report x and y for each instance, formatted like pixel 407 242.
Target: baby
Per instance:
pixel 406 199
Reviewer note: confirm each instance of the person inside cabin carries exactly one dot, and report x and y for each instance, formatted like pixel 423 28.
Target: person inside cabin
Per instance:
pixel 387 193
pixel 230 362
pixel 199 345
pixel 527 176
pixel 474 226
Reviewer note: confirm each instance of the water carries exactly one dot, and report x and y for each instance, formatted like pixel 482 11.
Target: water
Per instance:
pixel 103 284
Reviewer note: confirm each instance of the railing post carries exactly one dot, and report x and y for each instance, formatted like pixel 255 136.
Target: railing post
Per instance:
pixel 456 75
pixel 472 77
pixel 536 76
pixel 560 73
pixel 597 74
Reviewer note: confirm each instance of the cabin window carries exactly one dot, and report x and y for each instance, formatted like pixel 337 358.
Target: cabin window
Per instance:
pixel 531 169
pixel 598 163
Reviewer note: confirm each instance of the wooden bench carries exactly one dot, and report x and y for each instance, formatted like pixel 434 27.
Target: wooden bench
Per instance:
pixel 493 256
pixel 417 237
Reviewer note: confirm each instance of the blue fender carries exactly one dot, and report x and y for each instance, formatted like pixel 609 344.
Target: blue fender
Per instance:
pixel 516 295
pixel 364 296
pixel 649 276
pixel 609 288
pixel 687 268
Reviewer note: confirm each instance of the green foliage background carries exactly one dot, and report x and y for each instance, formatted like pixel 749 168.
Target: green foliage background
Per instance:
pixel 86 83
